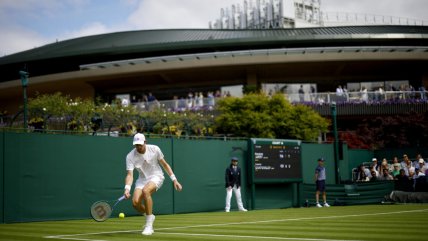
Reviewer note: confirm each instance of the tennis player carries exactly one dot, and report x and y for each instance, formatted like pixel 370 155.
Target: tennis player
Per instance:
pixel 147 160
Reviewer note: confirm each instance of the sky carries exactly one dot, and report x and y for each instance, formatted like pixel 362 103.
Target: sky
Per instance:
pixel 27 24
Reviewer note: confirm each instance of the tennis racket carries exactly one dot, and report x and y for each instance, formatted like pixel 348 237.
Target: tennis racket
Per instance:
pixel 101 210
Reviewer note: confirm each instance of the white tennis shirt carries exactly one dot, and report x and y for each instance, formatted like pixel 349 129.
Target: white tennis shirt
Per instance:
pixel 147 164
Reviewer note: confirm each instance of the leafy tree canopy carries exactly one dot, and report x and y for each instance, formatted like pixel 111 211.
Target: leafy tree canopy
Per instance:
pixel 258 115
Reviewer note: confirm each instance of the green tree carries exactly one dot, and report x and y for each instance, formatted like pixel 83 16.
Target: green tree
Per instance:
pixel 257 115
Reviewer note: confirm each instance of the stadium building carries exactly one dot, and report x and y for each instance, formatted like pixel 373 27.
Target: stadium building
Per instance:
pixel 171 63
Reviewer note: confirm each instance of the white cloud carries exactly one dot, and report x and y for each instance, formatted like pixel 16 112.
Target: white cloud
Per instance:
pixel 155 14
pixel 16 39
pixel 89 29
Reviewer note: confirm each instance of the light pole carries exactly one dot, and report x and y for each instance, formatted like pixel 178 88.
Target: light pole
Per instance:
pixel 24 82
pixel 336 141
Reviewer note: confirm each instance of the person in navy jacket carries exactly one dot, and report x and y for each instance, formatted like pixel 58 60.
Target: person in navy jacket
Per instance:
pixel 233 182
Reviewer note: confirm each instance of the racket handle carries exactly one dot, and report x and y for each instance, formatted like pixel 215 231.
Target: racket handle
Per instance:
pixel 121 198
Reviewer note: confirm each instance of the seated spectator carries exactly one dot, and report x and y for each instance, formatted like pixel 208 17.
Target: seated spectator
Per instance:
pixel 374 169
pixel 374 176
pixel 391 167
pixel 396 171
pixel 363 174
pixel 420 173
pixel 407 164
pixel 403 183
pixel 374 164
pixel 384 165
pixel 385 176
pixel 416 161
pixel 412 177
pixel 422 166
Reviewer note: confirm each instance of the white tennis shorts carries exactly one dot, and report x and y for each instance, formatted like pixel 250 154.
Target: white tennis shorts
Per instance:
pixel 157 180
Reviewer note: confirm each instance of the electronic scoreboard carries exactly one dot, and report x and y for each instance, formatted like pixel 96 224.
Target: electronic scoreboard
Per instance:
pixel 275 160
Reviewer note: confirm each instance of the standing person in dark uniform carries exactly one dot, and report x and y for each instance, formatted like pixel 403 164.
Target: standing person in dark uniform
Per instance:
pixel 320 183
pixel 233 182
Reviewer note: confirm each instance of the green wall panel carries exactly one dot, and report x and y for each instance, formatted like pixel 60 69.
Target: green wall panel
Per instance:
pixel 278 195
pixel 310 154
pixel 358 156
pixel 200 167
pixel 54 177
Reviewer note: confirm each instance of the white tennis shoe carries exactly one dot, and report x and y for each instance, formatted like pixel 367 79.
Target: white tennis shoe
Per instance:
pixel 319 205
pixel 326 205
pixel 148 229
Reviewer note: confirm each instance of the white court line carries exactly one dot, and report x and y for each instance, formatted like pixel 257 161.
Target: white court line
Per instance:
pixel 253 237
pixel 70 236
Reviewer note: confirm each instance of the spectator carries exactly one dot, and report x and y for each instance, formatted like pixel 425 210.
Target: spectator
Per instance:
pixel 374 164
pixel 403 183
pixel 151 97
pixel 175 103
pixel 422 166
pixel 301 94
pixel 363 174
pixel 182 104
pixel 189 101
pixel 374 176
pixel 385 176
pixel 423 92
pixel 364 95
pixel 217 94
pixel 416 161
pixel 374 167
pixel 406 164
pixel 396 171
pixel 412 178
pixel 200 100
pixel 384 165
pixel 339 91
pixel 211 100
pixel 313 93
pixel 125 102
pixel 391 167
pixel 420 173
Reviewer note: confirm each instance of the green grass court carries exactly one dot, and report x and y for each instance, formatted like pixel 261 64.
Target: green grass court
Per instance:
pixel 371 222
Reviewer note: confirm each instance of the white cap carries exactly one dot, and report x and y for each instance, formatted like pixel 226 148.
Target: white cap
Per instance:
pixel 139 139
pixel 421 160
pixel 374 159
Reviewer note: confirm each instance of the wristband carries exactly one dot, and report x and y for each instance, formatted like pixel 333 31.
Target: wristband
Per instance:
pixel 173 178
pixel 128 187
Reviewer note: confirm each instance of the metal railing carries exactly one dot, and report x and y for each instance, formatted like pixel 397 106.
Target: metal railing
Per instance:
pixel 349 103
pixel 346 18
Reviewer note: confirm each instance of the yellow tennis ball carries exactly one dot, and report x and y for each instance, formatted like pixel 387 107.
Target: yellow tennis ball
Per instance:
pixel 121 215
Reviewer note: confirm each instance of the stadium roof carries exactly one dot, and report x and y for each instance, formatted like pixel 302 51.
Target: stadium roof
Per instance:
pixel 68 55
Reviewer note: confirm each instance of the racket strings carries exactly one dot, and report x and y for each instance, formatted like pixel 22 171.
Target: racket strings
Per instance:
pixel 101 211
